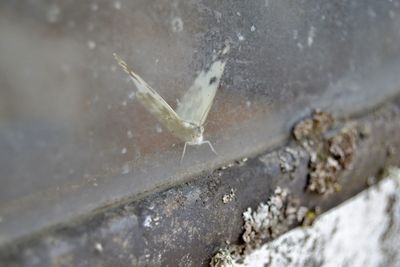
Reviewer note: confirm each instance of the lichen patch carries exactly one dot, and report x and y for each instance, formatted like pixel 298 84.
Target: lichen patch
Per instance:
pixel 229 197
pixel 267 222
pixel 313 127
pixel 222 258
pixel 270 220
pixel 330 154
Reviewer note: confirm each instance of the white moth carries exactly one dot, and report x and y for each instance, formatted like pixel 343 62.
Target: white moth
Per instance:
pixel 187 122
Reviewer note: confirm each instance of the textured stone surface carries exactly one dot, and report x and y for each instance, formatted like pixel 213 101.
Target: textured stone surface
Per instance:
pixel 364 231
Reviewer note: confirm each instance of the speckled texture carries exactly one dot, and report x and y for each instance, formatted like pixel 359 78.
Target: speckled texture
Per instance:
pixel 331 153
pixel 362 232
pixel 270 219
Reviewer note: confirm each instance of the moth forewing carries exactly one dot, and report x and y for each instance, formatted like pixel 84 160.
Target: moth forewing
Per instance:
pixel 197 101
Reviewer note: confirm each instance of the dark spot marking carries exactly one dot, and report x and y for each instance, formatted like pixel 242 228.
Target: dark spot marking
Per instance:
pixel 213 80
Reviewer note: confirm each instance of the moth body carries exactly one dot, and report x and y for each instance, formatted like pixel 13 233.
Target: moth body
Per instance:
pixel 196 133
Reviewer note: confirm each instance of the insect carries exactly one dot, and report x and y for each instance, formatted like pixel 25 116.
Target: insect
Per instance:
pixel 187 122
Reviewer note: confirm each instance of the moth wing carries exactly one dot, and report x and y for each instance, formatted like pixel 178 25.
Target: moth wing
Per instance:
pixel 155 104
pixel 197 101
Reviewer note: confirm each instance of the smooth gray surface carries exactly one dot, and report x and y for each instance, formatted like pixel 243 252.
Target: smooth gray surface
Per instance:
pixel 66 118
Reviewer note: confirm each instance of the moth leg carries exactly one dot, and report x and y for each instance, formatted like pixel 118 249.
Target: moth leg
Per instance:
pixel 183 152
pixel 211 146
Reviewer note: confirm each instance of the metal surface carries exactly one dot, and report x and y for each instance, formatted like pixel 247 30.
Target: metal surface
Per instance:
pixel 72 140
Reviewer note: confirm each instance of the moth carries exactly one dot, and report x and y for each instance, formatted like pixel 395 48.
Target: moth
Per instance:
pixel 187 122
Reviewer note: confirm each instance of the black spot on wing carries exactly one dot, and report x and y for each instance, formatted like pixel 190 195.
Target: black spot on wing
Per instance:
pixel 213 80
